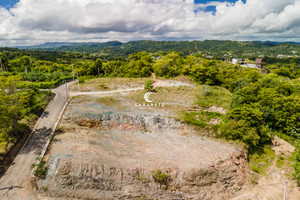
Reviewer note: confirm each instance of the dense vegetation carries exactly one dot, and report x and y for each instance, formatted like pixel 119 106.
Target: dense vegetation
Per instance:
pixel 218 49
pixel 18 109
pixel 262 105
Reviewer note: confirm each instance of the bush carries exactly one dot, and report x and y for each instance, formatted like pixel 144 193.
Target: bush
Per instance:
pixel 160 177
pixel 149 85
pixel 296 172
pixel 40 170
pixel 43 85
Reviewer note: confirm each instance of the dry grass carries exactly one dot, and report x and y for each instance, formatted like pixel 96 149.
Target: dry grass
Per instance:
pixel 174 98
pixel 110 101
pixel 107 84
pixel 204 96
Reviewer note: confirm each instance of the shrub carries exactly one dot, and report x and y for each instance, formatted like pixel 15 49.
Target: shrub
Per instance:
pixel 296 172
pixel 149 85
pixel 40 170
pixel 280 161
pixel 160 177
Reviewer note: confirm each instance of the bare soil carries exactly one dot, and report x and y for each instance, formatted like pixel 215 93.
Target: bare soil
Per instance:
pixel 104 152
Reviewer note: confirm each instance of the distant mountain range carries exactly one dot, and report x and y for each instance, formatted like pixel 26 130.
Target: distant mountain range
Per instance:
pixel 53 45
pixel 216 48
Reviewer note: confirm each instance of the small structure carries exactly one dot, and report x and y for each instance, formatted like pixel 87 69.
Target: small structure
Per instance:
pixel 227 59
pixel 259 62
pixel 236 61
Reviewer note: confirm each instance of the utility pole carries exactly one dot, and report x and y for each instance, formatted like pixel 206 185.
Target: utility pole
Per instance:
pixel 284 197
pixel 67 95
pixel 73 71
pixel 78 82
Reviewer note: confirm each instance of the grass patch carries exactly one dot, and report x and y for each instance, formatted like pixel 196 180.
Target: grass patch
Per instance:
pixel 287 138
pixel 3 145
pixel 213 95
pixel 111 102
pixel 182 95
pixel 6 141
pixel 76 97
pixel 143 178
pixel 109 83
pixel 296 164
pixel 199 119
pixel 280 161
pixel 254 179
pixel 40 170
pixel 260 159
pixel 175 96
pixel 160 177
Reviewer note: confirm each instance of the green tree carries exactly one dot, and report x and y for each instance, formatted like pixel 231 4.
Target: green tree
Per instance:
pixel 245 123
pixel 25 62
pixel 13 104
pixel 3 62
pixel 97 69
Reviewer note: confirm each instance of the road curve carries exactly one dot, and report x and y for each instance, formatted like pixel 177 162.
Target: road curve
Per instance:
pixel 15 184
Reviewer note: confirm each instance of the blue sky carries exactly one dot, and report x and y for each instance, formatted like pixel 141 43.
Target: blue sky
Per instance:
pixel 213 8
pixel 38 21
pixel 8 3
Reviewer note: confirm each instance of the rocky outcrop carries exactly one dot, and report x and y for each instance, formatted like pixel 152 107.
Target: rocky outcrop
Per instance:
pixel 89 181
pixel 128 122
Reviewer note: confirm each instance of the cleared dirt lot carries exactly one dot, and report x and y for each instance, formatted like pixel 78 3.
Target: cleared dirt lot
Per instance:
pixel 134 138
pixel 107 150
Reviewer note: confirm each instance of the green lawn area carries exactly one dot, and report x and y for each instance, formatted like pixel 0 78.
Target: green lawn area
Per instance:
pixel 213 95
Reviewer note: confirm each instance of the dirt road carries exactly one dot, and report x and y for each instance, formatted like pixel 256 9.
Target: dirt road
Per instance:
pixel 104 92
pixel 15 184
pixel 272 186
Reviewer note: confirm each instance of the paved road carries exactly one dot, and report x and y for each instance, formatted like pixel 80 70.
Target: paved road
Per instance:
pixel 15 184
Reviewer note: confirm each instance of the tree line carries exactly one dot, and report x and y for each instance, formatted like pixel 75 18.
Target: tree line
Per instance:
pixel 263 105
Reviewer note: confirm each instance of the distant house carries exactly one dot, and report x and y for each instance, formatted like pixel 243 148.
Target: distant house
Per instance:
pixel 259 62
pixel 227 59
pixel 236 61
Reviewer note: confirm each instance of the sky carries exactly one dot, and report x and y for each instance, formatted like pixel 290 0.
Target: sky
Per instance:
pixel 32 22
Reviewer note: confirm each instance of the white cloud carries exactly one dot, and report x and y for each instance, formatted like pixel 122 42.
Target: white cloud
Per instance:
pixel 35 21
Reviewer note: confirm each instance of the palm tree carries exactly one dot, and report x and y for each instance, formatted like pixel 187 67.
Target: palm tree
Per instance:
pixel 25 60
pixel 98 65
pixel 3 62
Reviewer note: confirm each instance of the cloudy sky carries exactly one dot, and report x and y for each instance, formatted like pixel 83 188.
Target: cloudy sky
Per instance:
pixel 30 22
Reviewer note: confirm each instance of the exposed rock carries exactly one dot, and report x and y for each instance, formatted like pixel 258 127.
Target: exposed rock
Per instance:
pixel 112 155
pixel 89 181
pixel 214 121
pixel 216 109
